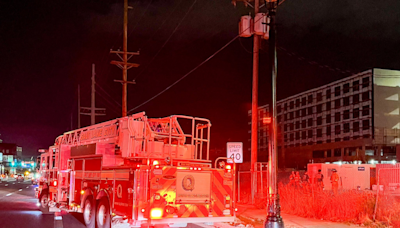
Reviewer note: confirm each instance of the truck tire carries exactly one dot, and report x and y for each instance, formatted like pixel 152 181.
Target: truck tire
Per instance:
pixel 103 217
pixel 44 202
pixel 89 212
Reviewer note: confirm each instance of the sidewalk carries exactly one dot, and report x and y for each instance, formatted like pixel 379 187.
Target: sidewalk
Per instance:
pixel 257 217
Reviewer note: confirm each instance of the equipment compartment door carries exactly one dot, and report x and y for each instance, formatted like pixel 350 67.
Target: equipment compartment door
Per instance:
pixel 193 187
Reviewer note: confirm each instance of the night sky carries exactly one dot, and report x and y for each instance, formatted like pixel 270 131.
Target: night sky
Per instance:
pixel 47 48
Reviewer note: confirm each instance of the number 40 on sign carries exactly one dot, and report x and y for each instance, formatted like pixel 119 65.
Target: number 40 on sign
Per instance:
pixel 234 150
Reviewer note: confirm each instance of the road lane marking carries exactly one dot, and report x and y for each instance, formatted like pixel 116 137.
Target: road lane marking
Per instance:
pixel 20 189
pixel 9 194
pixel 27 187
pixel 58 223
pixel 6 185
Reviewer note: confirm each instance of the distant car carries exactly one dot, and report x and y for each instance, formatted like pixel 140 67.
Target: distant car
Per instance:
pixel 20 177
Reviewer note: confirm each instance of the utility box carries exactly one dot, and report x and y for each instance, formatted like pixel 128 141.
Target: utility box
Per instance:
pixel 245 26
pixel 351 176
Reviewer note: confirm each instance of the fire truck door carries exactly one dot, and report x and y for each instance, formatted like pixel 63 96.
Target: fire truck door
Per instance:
pixel 123 197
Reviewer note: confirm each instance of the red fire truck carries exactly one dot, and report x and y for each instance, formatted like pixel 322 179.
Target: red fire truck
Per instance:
pixel 144 171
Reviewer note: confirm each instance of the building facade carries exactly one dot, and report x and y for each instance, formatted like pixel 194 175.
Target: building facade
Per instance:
pixel 355 119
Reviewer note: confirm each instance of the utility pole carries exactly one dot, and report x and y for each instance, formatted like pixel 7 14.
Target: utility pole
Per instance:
pixel 274 219
pixel 265 26
pixel 254 104
pixel 92 110
pixel 124 65
pixel 93 103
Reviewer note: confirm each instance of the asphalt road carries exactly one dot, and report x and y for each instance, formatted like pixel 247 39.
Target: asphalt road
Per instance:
pixel 18 209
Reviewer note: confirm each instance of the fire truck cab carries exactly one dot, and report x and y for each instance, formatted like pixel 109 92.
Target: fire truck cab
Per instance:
pixel 139 170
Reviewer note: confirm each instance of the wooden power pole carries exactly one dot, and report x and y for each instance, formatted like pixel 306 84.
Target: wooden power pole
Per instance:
pixel 92 111
pixel 124 65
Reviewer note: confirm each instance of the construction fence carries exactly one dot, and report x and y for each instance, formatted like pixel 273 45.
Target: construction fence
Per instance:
pixel 387 188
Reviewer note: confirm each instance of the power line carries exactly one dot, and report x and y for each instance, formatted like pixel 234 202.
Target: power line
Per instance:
pixel 184 76
pixel 104 91
pixel 140 18
pixel 173 32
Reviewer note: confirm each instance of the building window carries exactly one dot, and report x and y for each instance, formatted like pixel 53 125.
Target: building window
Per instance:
pixel 291 116
pixel 356 126
pixel 310 98
pixel 297 135
pixel 319 120
pixel 285 107
pixel 365 124
pixel 319 96
pixel 297 124
pixel 328 106
pixel 365 96
pixel 286 137
pixel 346 101
pixel 319 132
pixel 347 138
pixel 337 130
pixel 298 102
pixel 337 91
pixel 319 108
pixel 304 135
pixel 365 82
pixel 337 152
pixel 279 119
pixel 303 112
pixel 328 94
pixel 365 110
pixel 356 85
pixel 285 127
pixel 337 103
pixel 328 118
pixel 303 124
pixel 310 110
pixel 346 114
pixel 337 117
pixel 291 126
pixel 297 113
pixel 356 113
pixel 346 88
pixel 291 137
pixel 310 134
pixel 356 98
pixel 291 104
pixel 279 108
pixel 346 127
pixel 310 122
pixel 303 101
pixel 328 130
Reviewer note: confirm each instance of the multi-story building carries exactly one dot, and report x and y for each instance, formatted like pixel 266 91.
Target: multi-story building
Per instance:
pixel 10 154
pixel 353 119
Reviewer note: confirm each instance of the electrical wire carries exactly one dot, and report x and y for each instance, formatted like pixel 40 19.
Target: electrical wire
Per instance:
pixel 162 24
pixel 140 18
pixel 170 36
pixel 184 76
pixel 104 91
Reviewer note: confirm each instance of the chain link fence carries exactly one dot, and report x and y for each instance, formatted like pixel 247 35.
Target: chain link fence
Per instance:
pixel 387 205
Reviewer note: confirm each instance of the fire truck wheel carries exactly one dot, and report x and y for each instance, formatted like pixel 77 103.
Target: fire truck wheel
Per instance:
pixel 44 202
pixel 89 212
pixel 103 218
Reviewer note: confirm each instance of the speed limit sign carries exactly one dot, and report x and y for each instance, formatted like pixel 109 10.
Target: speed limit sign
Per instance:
pixel 234 150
